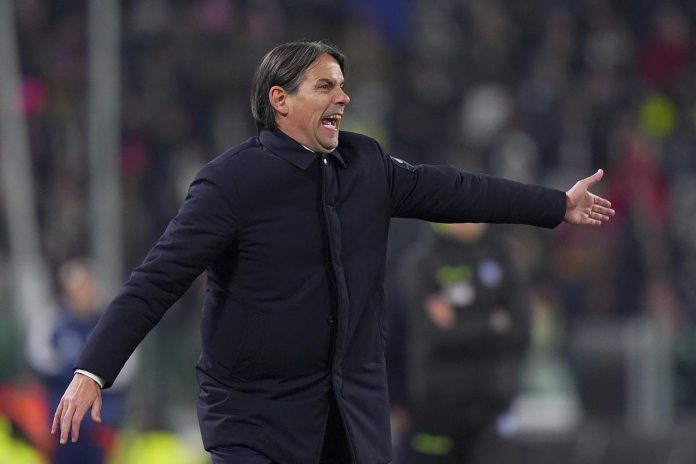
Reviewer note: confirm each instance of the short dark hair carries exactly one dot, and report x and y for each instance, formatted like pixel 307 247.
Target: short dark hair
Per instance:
pixel 285 66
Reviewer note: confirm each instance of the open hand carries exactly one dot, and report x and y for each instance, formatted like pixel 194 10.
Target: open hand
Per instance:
pixel 584 207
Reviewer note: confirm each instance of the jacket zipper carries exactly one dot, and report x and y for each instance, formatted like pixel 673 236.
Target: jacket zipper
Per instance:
pixel 324 202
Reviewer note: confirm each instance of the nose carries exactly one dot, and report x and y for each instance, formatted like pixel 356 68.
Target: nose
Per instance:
pixel 342 97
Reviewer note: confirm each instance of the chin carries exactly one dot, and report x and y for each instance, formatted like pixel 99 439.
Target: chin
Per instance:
pixel 331 144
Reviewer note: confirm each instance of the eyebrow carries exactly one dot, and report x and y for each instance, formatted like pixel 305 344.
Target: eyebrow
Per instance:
pixel 327 80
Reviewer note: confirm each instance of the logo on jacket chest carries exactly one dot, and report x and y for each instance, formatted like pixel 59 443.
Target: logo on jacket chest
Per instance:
pixel 460 284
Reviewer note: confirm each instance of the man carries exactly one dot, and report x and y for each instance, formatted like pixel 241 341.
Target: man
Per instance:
pixel 291 226
pixel 467 329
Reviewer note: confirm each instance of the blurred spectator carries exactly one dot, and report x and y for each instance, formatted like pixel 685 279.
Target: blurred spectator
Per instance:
pixel 668 50
pixel 54 346
pixel 467 329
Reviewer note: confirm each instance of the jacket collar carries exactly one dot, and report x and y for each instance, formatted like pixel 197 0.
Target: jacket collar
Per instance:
pixel 290 150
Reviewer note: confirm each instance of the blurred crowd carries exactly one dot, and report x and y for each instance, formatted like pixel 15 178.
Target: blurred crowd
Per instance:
pixel 542 91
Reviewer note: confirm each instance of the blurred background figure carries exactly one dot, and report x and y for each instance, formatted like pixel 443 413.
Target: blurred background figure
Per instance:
pixel 467 328
pixel 53 346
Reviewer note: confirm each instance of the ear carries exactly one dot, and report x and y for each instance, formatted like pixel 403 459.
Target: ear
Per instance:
pixel 278 98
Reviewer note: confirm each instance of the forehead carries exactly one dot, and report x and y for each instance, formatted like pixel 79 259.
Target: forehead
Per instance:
pixel 325 67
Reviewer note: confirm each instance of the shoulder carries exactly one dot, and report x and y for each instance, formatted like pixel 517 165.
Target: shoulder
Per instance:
pixel 236 160
pixel 355 141
pixel 362 150
pixel 236 154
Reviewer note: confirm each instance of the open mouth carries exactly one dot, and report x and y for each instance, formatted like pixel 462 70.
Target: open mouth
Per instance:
pixel 331 122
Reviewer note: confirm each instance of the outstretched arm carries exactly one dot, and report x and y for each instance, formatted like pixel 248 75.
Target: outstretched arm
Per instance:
pixel 587 208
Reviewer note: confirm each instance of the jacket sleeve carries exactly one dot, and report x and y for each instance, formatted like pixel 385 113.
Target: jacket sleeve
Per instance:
pixel 445 194
pixel 204 226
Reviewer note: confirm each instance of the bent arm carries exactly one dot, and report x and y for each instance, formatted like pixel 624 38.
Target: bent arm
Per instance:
pixel 204 226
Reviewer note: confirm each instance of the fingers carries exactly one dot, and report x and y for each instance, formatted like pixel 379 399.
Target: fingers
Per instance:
pixel 96 410
pixel 600 213
pixel 82 394
pixel 77 417
pixel 599 201
pixel 601 218
pixel 66 423
pixel 56 418
pixel 604 211
pixel 70 423
pixel 601 209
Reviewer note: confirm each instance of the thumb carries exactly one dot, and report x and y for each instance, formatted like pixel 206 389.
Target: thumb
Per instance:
pixel 594 178
pixel 96 410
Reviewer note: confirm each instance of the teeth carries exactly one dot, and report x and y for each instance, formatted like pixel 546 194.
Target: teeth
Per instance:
pixel 331 120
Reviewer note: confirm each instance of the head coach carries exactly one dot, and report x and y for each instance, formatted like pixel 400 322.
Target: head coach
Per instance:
pixel 291 227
